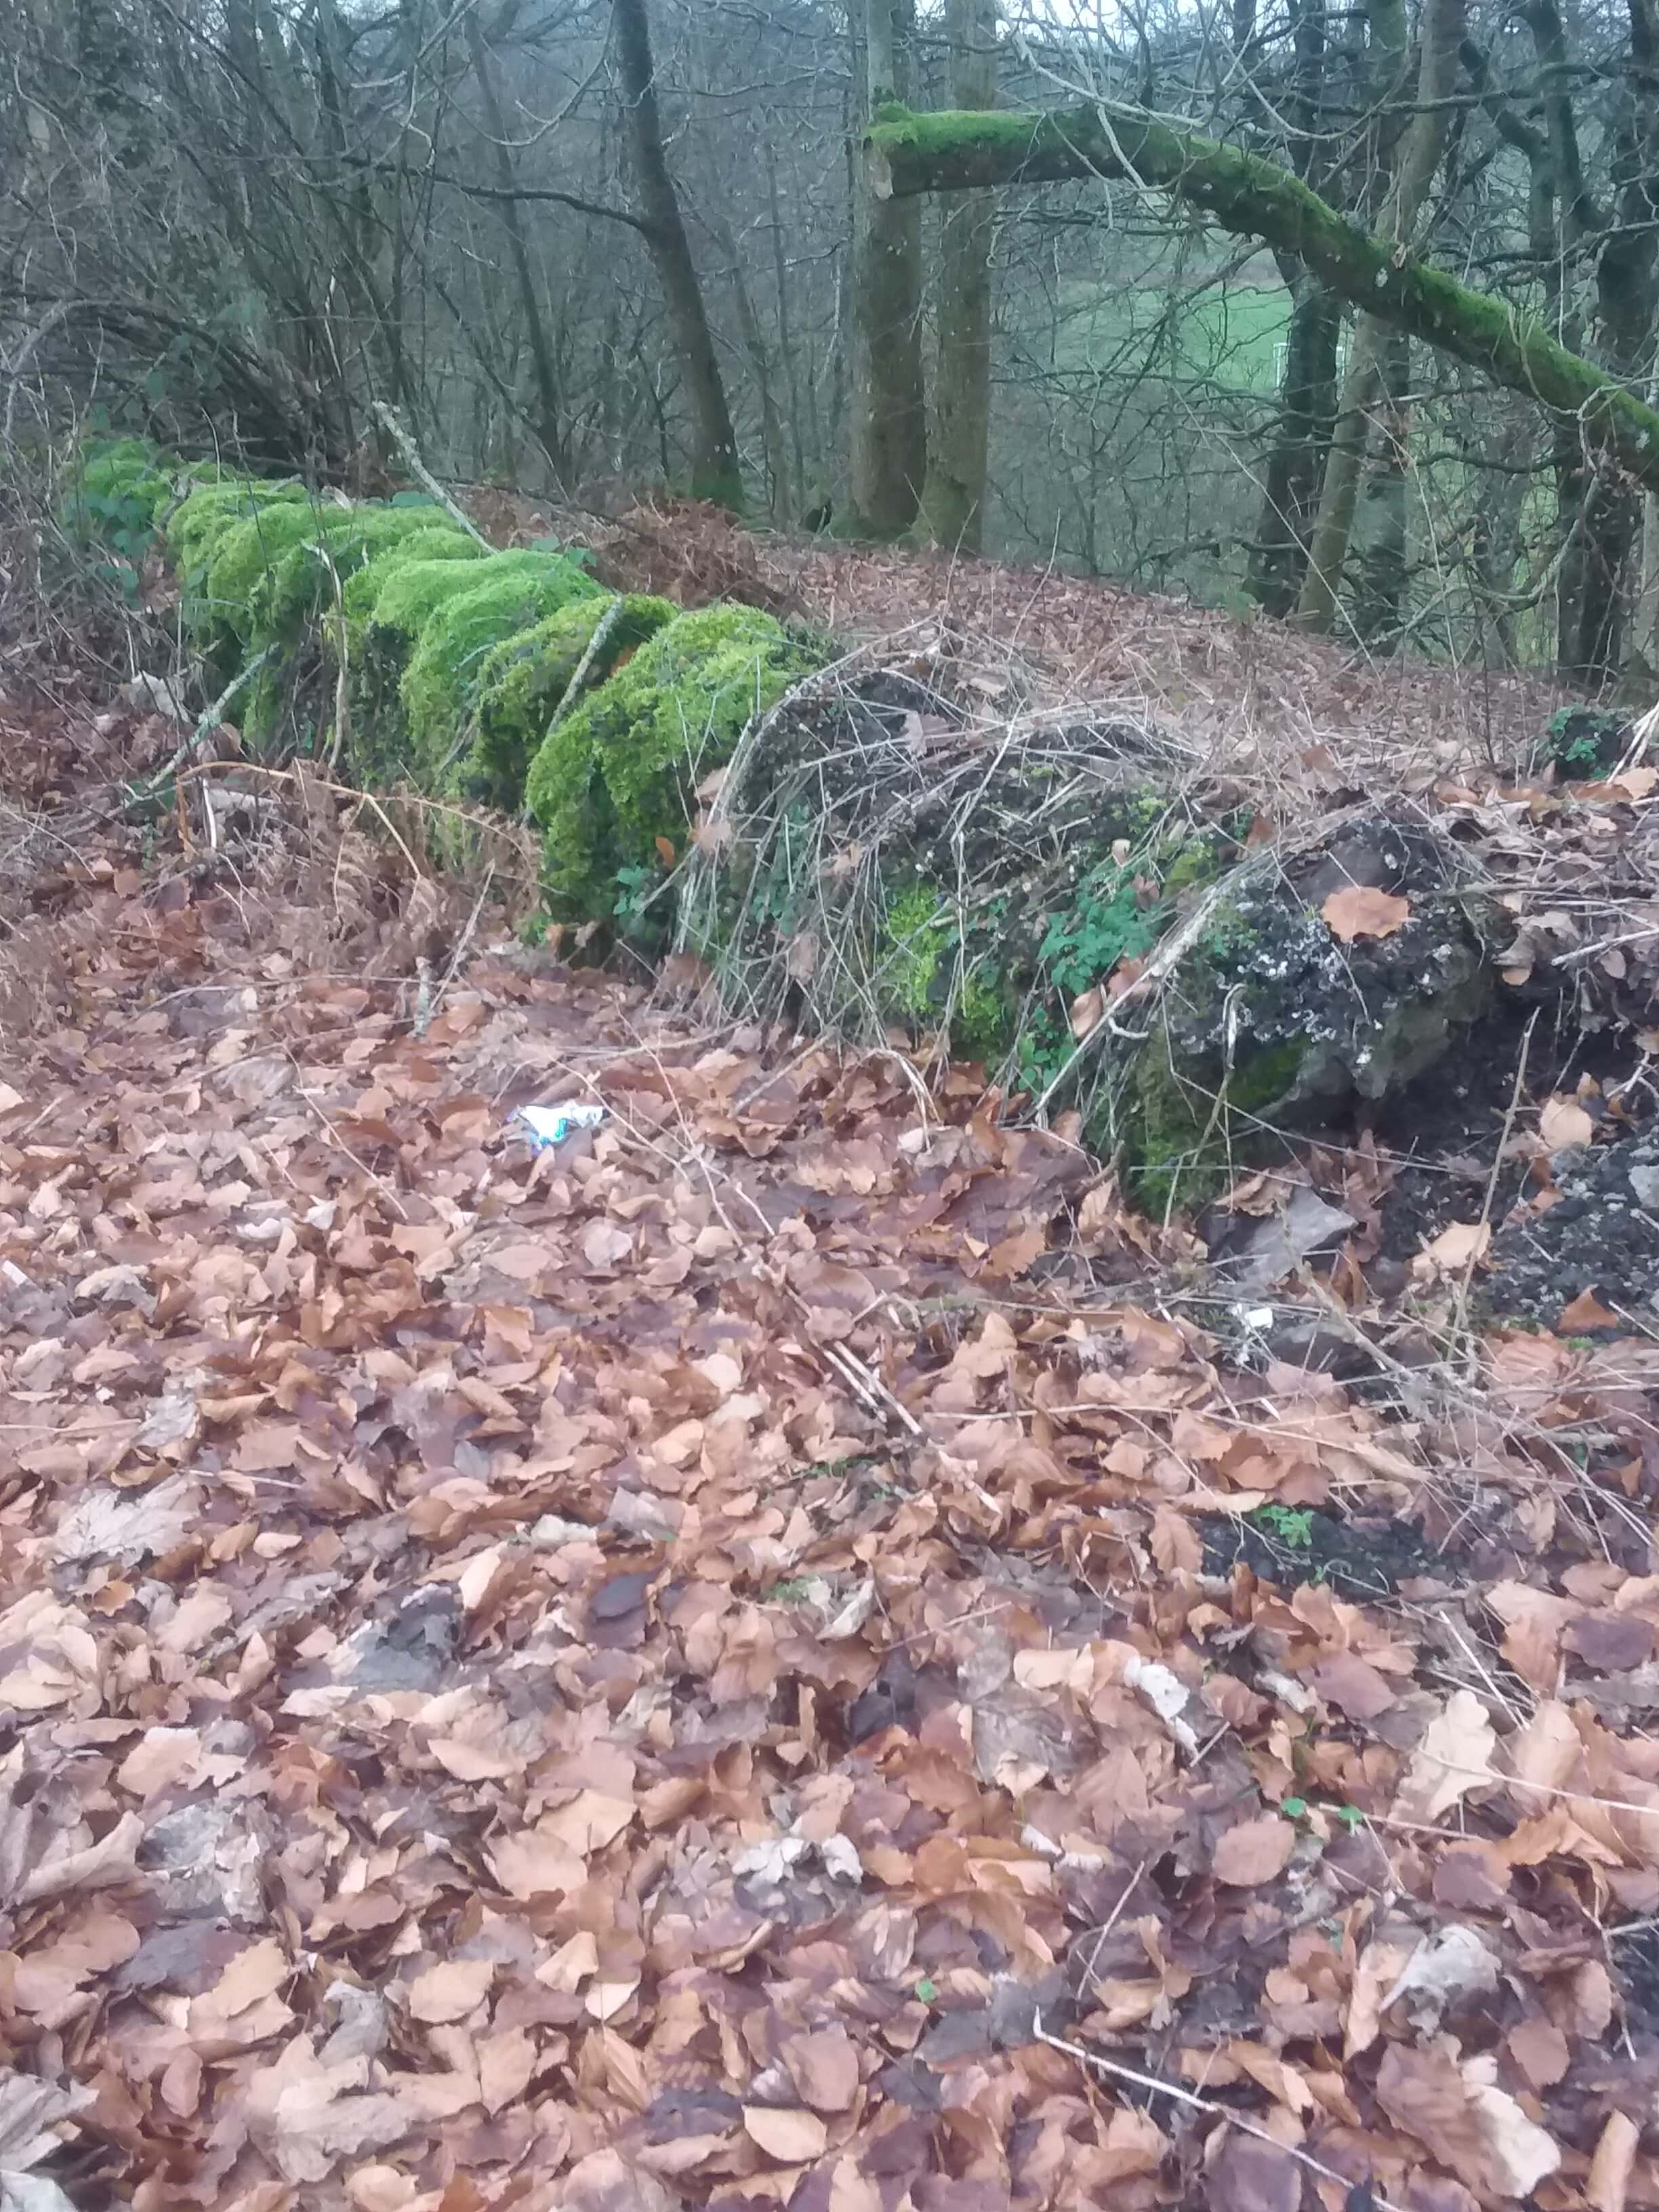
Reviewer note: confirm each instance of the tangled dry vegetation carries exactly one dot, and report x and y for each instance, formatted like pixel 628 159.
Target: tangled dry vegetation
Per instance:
pixel 790 1650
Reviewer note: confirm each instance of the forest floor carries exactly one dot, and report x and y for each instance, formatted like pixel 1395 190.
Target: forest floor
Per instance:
pixel 781 1651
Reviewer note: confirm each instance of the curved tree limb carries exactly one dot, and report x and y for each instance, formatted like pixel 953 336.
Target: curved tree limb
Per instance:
pixel 962 151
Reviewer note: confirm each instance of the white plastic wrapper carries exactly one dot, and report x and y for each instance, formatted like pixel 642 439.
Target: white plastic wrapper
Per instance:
pixel 551 1125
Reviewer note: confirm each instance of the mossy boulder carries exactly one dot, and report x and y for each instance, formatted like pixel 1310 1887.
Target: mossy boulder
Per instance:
pixel 212 509
pixel 1277 1016
pixel 437 541
pixel 615 781
pixel 888 866
pixel 498 599
pixel 523 680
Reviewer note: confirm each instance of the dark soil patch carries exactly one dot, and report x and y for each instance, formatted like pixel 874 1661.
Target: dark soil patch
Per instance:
pixel 1357 1557
pixel 1635 1957
pixel 1443 1133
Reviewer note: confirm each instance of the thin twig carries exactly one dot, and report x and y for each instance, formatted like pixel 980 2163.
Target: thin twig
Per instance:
pixel 1190 2097
pixel 388 416
pixel 208 721
pixel 1460 1310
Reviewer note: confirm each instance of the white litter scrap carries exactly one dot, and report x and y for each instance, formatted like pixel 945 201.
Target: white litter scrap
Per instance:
pixel 1167 1695
pixel 550 1124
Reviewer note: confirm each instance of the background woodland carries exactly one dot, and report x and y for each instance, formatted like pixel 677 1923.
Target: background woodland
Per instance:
pixel 582 248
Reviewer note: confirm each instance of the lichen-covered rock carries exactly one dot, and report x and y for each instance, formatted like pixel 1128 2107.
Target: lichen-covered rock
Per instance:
pixel 1275 1014
pixel 1599 1233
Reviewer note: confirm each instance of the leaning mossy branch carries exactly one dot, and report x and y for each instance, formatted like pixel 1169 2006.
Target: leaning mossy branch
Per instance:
pixel 947 152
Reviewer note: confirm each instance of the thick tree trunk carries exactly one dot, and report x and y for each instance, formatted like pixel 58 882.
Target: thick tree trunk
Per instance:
pixel 1307 404
pixel 909 154
pixel 550 413
pixel 953 501
pixel 714 472
pixel 890 409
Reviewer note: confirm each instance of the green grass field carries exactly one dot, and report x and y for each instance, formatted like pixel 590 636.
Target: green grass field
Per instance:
pixel 1229 335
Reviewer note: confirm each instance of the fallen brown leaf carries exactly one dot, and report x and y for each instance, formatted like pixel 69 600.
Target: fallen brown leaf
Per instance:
pixel 1358 910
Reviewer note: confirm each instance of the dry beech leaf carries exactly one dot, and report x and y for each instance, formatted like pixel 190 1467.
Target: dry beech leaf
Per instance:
pixel 1584 1315
pixel 1249 2175
pixel 452 1990
pixel 1540 2049
pixel 1453 1757
pixel 1563 1123
pixel 786 2133
pixel 824 2069
pixel 1086 1009
pixel 1254 1851
pixel 1607 2185
pixel 1456 1245
pixel 1359 911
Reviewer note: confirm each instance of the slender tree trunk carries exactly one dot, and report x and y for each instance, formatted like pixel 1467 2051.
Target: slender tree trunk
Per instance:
pixel 890 409
pixel 1419 152
pixel 781 502
pixel 1307 416
pixel 550 411
pixel 953 500
pixel 1380 612
pixel 714 472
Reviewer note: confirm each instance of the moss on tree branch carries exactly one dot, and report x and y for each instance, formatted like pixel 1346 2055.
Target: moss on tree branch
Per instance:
pixel 948 152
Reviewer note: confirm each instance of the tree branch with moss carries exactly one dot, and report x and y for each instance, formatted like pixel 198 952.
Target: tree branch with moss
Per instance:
pixel 960 151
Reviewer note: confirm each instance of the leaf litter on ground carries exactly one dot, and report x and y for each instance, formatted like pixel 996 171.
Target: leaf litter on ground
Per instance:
pixel 689 1668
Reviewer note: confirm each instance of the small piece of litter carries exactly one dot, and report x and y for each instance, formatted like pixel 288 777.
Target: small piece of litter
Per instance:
pixel 551 1125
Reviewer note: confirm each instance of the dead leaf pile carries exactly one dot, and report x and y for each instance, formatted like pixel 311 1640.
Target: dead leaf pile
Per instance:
pixel 701 1666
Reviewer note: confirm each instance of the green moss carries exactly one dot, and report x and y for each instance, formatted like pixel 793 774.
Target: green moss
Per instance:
pixel 303 581
pixel 916 943
pixel 503 594
pixel 206 515
pixel 415 588
pixel 522 680
pixel 1181 1140
pixel 986 1023
pixel 620 770
pixel 440 542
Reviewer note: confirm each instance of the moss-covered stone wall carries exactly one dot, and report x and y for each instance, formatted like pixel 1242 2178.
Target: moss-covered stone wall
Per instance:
pixel 512 680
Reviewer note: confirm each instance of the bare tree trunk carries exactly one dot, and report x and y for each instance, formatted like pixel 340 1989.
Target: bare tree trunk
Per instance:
pixel 714 471
pixel 550 413
pixel 1307 415
pixel 781 478
pixel 1441 36
pixel 1380 612
pixel 953 498
pixel 890 409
